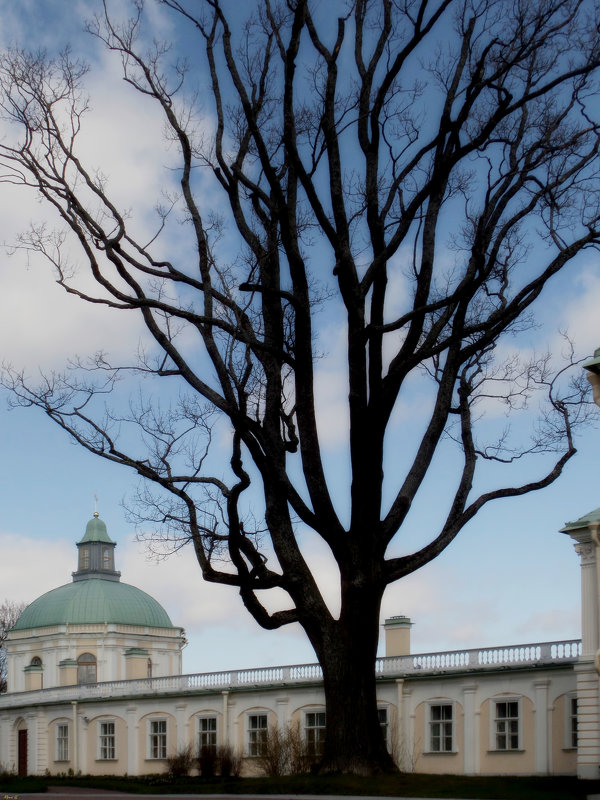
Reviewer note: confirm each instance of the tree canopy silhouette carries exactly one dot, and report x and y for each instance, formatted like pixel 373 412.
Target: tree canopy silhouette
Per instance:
pixel 416 172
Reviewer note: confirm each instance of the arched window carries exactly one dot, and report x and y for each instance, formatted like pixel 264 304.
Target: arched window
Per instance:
pixel 36 661
pixel 86 668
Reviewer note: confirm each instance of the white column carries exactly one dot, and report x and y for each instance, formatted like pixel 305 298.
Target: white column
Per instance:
pixel 83 731
pixel 4 741
pixel 541 726
pixel 132 741
pixel 182 740
pixel 225 734
pixel 74 738
pixel 471 732
pixel 408 740
pixel 588 742
pixel 32 744
pixel 586 550
pixel 282 715
pixel 397 725
pixel 588 717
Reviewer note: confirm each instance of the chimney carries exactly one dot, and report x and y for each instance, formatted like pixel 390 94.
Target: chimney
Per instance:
pixel 397 636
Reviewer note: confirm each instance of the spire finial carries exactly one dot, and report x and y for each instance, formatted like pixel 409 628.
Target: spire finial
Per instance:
pixel 96 505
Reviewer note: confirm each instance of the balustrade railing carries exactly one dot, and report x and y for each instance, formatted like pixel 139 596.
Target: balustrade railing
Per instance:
pixel 394 666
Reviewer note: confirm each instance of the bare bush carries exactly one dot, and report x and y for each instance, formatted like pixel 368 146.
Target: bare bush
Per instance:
pixel 285 752
pixel 229 761
pixel 180 764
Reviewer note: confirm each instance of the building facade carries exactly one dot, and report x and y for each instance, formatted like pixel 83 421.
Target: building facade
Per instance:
pixel 95 686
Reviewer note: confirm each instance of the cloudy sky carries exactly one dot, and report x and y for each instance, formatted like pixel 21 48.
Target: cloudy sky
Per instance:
pixel 510 577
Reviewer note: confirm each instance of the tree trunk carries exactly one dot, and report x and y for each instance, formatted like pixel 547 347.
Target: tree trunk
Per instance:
pixel 354 740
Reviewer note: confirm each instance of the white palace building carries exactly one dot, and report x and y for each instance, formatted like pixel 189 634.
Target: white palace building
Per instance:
pixel 95 686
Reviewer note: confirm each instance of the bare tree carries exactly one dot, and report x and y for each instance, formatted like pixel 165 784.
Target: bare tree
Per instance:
pixel 9 614
pixel 421 170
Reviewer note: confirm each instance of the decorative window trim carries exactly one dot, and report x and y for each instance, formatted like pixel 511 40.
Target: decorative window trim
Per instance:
pixel 107 751
pixel 157 729
pixel 209 733
pixel 255 731
pixel 430 727
pixel 61 741
pixel 495 733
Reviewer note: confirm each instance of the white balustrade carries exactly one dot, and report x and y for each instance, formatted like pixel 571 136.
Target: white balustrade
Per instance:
pixel 393 667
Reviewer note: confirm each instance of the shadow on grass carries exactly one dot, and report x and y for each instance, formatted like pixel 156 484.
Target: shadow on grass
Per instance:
pixel 438 786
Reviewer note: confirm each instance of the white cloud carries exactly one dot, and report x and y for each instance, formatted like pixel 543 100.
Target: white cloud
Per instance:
pixel 26 574
pixel 580 315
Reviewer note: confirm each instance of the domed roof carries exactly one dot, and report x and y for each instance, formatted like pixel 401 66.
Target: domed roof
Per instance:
pixel 94 601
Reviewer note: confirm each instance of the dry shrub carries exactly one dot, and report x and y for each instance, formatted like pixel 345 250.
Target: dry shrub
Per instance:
pixel 284 752
pixel 181 763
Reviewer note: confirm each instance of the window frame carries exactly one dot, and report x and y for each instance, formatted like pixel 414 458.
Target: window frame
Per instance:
pixel 84 668
pixel 437 729
pixel 84 558
pixel 313 732
pixel 495 720
pixel 157 739
pixel 107 741
pixel 212 733
pixel 61 741
pixel 571 721
pixel 385 724
pixel 255 743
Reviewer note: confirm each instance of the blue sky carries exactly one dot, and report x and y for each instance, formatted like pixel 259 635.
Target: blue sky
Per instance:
pixel 510 576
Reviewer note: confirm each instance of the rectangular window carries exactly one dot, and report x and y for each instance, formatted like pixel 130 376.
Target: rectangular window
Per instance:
pixel 314 732
pixel 572 722
pixel 62 742
pixel 207 734
pixel 257 733
pixel 107 741
pixel 507 725
pixel 384 724
pixel 158 738
pixel 441 728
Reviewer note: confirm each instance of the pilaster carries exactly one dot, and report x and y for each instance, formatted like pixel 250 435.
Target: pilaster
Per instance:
pixel 471 730
pixel 541 727
pixel 282 713
pixel 224 732
pixel 585 533
pixel 588 740
pixel 5 728
pixel 132 741
pixel 182 740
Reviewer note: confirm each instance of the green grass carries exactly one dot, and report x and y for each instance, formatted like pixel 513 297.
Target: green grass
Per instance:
pixel 442 786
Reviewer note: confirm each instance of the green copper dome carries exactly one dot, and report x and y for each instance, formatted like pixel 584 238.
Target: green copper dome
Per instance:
pixel 96 594
pixel 95 531
pixel 94 601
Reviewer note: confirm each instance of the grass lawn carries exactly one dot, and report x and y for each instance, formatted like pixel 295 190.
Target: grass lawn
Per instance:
pixel 442 786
